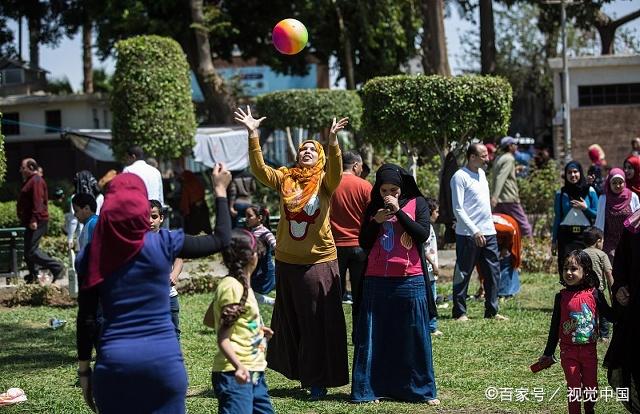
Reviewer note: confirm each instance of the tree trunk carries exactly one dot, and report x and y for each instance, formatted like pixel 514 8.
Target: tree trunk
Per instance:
pixel 87 58
pixel 217 98
pixel 34 42
pixel 434 43
pixel 607 38
pixel 347 50
pixel 487 38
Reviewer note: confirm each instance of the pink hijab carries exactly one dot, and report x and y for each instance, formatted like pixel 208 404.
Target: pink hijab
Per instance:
pixel 620 201
pixel 119 234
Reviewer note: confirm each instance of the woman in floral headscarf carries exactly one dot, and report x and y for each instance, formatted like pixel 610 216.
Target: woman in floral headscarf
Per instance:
pixel 310 341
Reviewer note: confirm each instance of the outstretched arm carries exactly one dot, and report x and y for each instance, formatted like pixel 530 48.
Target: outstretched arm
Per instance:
pixel 334 160
pixel 265 174
pixel 200 246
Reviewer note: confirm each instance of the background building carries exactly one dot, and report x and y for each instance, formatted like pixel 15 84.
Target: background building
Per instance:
pixel 605 105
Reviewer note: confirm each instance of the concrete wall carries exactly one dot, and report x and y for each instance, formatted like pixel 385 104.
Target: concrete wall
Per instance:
pixel 75 113
pixel 599 70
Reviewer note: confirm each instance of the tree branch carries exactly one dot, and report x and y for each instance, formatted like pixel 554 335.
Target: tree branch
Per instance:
pixel 625 19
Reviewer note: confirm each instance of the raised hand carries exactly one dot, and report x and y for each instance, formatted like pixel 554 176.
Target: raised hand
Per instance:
pixel 338 126
pixel 221 178
pixel 246 119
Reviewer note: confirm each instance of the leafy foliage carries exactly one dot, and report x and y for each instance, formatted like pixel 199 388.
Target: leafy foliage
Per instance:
pixel 200 283
pixel 6 39
pixel 102 81
pixel 537 193
pixel 60 86
pixel 151 100
pixel 3 157
pixel 423 111
pixel 9 218
pixel 536 255
pixel 313 109
pixel 428 172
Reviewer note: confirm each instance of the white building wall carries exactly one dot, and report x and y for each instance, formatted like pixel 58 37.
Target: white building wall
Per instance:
pixel 599 70
pixel 76 113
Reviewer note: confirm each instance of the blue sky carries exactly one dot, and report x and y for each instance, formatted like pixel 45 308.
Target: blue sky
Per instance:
pixel 66 59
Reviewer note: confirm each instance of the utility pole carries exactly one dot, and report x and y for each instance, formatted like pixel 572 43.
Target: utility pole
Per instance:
pixel 566 99
pixel 566 102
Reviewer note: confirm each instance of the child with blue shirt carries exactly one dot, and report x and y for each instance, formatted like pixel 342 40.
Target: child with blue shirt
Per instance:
pixel 84 209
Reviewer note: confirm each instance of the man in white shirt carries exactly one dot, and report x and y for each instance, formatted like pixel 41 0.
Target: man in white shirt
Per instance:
pixel 134 158
pixel 476 240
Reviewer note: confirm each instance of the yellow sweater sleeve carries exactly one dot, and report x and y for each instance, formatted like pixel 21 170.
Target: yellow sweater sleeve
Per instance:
pixel 265 174
pixel 334 169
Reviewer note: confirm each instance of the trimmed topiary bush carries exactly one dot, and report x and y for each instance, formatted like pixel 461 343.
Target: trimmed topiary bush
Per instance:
pixel 423 111
pixel 151 99
pixel 313 109
pixel 3 158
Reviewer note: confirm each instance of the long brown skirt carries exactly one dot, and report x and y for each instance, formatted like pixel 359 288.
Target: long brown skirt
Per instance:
pixel 310 338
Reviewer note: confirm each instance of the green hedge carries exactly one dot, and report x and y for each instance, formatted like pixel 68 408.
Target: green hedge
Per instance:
pixel 9 218
pixel 3 157
pixel 151 99
pixel 537 194
pixel 313 109
pixel 422 110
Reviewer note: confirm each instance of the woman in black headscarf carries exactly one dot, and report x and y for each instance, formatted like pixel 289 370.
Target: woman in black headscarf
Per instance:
pixel 575 208
pixel 392 345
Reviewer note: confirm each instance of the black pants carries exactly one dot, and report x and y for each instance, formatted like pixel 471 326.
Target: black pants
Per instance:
pixel 353 258
pixel 34 256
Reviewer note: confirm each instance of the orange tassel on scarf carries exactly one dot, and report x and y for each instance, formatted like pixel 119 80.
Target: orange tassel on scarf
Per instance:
pixel 299 184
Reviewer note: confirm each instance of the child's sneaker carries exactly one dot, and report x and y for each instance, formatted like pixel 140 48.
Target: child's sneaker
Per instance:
pixel 437 333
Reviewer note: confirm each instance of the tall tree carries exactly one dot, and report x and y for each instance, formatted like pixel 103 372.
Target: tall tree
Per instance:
pixel 434 44
pixel 125 18
pixel 216 95
pixel 6 40
pixel 487 38
pixel 79 16
pixel 43 22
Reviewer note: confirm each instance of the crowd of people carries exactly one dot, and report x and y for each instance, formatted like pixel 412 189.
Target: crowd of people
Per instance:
pixel 333 224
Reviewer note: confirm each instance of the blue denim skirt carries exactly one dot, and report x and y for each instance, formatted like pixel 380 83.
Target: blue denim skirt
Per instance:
pixel 509 278
pixel 392 345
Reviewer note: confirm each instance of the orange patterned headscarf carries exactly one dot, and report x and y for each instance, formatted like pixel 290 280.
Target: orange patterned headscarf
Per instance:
pixel 299 184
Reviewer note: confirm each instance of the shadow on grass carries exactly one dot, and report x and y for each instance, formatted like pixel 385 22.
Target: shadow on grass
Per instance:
pixel 299 394
pixel 26 349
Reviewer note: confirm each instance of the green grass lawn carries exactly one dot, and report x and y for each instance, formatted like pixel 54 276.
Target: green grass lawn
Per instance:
pixel 468 359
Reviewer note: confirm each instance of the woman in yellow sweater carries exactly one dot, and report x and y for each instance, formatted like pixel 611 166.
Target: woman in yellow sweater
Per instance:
pixel 310 341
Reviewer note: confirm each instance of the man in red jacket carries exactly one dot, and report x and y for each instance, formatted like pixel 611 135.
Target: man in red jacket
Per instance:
pixel 34 215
